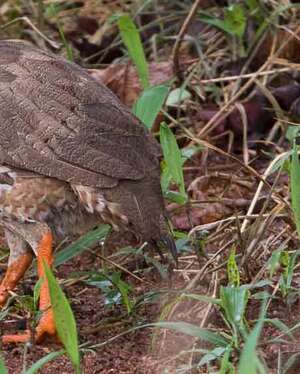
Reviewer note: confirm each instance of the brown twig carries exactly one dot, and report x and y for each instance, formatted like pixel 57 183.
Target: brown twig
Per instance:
pixel 30 24
pixel 179 39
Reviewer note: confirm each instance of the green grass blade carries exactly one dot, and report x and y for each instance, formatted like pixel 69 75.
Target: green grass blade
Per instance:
pixel 3 369
pixel 295 187
pixel 234 22
pixel 53 11
pixel 132 40
pixel 172 156
pixel 43 361
pixel 280 326
pixel 150 103
pixel 67 46
pixel 226 366
pixel 36 292
pixel 193 330
pixel 204 298
pixel 290 364
pixel 249 361
pixel 64 318
pixel 80 245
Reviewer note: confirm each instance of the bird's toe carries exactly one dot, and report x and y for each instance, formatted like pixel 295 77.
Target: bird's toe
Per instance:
pixel 46 326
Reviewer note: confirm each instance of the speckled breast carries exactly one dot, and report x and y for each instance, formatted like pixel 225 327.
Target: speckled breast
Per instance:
pixel 29 197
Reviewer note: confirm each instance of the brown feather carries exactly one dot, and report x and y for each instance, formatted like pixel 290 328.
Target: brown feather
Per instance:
pixel 77 155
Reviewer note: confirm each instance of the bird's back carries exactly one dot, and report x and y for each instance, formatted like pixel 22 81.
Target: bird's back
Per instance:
pixel 58 122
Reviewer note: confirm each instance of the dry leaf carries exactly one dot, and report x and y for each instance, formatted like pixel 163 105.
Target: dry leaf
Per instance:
pixel 123 80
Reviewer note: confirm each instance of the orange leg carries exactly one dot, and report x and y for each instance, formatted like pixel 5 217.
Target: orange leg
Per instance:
pixel 46 325
pixel 14 273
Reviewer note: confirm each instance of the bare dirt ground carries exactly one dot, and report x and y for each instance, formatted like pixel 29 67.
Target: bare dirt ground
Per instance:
pixel 146 351
pixel 128 354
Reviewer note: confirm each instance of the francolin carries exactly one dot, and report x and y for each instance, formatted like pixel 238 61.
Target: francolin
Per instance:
pixel 72 157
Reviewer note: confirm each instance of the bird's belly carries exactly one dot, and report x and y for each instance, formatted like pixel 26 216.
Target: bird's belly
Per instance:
pixel 28 197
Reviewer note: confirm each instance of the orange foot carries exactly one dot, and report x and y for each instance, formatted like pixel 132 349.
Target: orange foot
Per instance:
pixel 14 273
pixel 45 327
pixel 46 324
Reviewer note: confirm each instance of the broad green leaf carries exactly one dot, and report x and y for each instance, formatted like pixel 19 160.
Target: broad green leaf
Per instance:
pixel 172 156
pixel 114 289
pixel 175 197
pixel 289 270
pixel 43 361
pixel 3 369
pixel 284 259
pixel 292 132
pixel 177 96
pixel 166 176
pixel 295 187
pixel 235 20
pixel 132 40
pixel 233 270
pixel 255 10
pixel 150 103
pixel 193 330
pixel 124 289
pixel 189 152
pixel 212 356
pixel 288 263
pixel 64 318
pixel 282 163
pixel 234 302
pixel 80 245
pixel 274 262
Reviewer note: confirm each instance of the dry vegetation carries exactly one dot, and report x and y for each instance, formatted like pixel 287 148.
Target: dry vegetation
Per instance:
pixel 231 69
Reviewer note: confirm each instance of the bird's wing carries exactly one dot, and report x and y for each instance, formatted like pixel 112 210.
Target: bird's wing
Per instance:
pixel 58 121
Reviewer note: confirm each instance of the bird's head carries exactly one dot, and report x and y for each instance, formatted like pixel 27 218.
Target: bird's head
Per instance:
pixel 142 206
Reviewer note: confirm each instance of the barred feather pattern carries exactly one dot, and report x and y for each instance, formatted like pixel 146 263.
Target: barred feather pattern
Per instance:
pixel 68 210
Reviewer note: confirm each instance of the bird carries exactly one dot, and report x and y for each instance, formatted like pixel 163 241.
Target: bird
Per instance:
pixel 72 156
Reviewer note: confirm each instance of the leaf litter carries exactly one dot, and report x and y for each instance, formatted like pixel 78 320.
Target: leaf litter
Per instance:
pixel 241 96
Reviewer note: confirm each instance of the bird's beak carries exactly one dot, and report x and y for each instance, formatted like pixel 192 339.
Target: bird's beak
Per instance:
pixel 169 243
